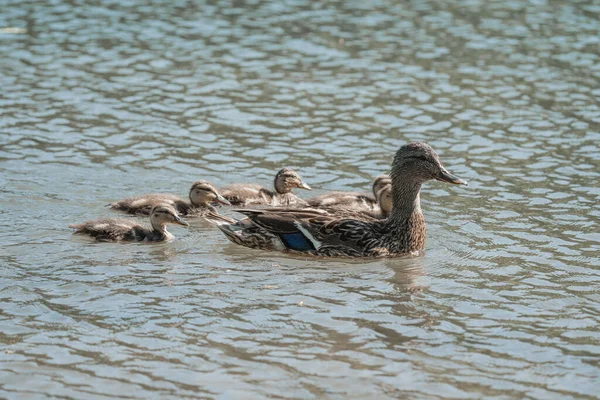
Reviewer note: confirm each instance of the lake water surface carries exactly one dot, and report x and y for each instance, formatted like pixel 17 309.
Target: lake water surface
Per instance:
pixel 100 100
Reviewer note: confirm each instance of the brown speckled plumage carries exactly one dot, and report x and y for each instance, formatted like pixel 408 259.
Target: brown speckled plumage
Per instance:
pixel 319 233
pixel 112 229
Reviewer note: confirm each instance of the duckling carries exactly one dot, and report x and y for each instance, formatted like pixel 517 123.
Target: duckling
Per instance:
pixel 352 200
pixel 380 210
pixel 385 200
pixel 313 233
pixel 245 194
pixel 380 182
pixel 129 230
pixel 202 194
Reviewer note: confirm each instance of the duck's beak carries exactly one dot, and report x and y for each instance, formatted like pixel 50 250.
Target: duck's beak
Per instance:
pixel 303 185
pixel 177 220
pixel 222 200
pixel 446 176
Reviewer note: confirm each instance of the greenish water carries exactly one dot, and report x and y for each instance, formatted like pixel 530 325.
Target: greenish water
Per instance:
pixel 105 99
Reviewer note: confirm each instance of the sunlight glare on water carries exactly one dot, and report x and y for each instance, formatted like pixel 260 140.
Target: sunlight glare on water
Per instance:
pixel 110 99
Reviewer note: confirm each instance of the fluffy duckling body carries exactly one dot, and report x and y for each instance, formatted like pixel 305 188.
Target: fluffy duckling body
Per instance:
pixel 202 194
pixel 352 200
pixel 380 210
pixel 242 194
pixel 111 229
pixel 326 235
pixel 385 200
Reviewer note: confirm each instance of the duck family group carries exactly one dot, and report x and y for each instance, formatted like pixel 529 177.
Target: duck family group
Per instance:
pixel 389 223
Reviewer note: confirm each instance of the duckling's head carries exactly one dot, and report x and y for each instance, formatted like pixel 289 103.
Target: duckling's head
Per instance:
pixel 380 182
pixel 417 163
pixel 164 214
pixel 385 200
pixel 203 193
pixel 288 179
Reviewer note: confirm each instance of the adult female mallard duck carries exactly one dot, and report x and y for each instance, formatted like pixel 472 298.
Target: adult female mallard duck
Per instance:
pixel 246 194
pixel 326 235
pixel 352 200
pixel 202 194
pixel 129 230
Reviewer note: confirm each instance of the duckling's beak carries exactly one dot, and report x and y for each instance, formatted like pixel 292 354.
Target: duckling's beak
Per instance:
pixel 222 200
pixel 177 220
pixel 303 185
pixel 446 176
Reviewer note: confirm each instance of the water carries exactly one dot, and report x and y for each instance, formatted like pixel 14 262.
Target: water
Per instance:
pixel 101 100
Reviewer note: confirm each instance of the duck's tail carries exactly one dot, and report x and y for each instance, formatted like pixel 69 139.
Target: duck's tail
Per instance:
pixel 229 226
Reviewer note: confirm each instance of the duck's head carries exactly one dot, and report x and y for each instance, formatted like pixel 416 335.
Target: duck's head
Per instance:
pixel 164 214
pixel 385 199
pixel 417 162
pixel 203 193
pixel 288 179
pixel 380 182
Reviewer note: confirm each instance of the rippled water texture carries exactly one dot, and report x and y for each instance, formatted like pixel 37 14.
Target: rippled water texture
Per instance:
pixel 104 99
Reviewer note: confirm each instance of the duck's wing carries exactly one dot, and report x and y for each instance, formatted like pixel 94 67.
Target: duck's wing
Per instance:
pixel 310 230
pixel 366 215
pixel 279 220
pixel 335 213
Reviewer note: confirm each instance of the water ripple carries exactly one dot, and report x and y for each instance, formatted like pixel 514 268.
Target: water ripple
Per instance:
pixel 123 98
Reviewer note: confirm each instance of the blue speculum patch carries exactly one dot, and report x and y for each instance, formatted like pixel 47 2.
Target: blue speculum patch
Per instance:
pixel 296 241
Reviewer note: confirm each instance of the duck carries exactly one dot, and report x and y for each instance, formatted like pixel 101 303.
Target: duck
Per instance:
pixel 314 233
pixel 380 182
pixel 352 200
pixel 111 229
pixel 246 194
pixel 385 201
pixel 202 194
pixel 380 210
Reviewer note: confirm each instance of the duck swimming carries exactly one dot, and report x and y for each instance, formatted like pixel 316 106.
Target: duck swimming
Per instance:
pixel 380 210
pixel 202 194
pixel 385 200
pixel 129 230
pixel 352 200
pixel 246 194
pixel 328 235
pixel 380 182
